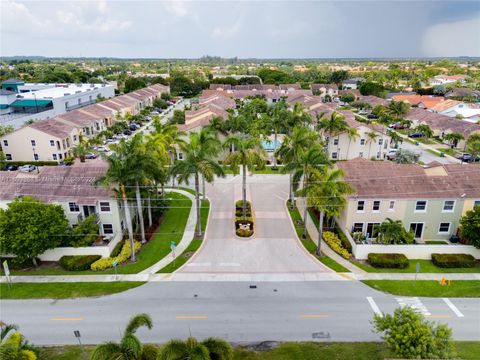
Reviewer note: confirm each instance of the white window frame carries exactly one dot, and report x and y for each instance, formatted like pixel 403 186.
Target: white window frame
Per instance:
pixel 363 207
pixel 103 229
pixel 444 232
pixel 33 143
pixel 421 211
pixel 362 142
pixel 5 142
pixel 36 157
pixel 335 141
pixel 73 204
pixel 54 156
pixel 8 157
pixel 390 207
pixel 363 226
pixel 52 143
pixel 109 206
pixel 373 206
pixel 453 206
pixel 334 155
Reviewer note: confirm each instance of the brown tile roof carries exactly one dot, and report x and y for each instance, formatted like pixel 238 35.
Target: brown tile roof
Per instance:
pixel 220 86
pixel 462 92
pixel 220 100
pixel 79 118
pixel 385 179
pixel 314 87
pixel 373 100
pixel 57 183
pixel 53 127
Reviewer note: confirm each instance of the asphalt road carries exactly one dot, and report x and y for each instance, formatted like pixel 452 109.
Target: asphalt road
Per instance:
pixel 328 310
pixel 425 156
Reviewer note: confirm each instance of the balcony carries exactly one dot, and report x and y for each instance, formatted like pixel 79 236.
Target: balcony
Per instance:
pixel 77 106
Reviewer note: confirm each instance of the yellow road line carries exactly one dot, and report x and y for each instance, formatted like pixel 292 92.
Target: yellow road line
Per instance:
pixel 191 316
pixel 439 316
pixel 345 276
pixel 313 316
pixel 66 319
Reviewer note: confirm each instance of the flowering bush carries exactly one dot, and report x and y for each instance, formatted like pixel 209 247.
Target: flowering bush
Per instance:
pixel 124 255
pixel 335 244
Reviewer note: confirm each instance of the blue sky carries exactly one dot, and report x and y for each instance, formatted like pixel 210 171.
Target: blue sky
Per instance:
pixel 275 29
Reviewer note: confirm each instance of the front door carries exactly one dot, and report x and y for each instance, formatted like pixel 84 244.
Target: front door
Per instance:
pixel 417 229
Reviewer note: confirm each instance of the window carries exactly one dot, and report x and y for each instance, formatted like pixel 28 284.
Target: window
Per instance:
pixel 391 205
pixel 79 101
pixel 5 142
pixel 8 156
pixel 54 156
pixel 360 154
pixel 421 206
pixel 122 225
pixel 107 229
pixel 180 156
pixel 104 206
pixel 380 141
pixel 444 228
pixel 60 156
pixel 448 205
pixel 362 141
pixel 35 156
pixel 66 105
pixel 360 205
pixel 33 142
pixel 376 205
pixel 74 137
pixel 334 155
pixel 52 142
pixel 335 141
pixel 73 207
pixel 378 155
pixel 357 227
pixel 476 203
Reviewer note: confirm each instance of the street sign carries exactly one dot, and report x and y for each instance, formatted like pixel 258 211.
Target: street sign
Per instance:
pixel 173 245
pixel 114 264
pixel 417 267
pixel 76 333
pixel 6 269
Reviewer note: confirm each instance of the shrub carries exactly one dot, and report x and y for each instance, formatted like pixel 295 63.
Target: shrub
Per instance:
pixel 453 260
pixel 346 244
pixel 335 244
pixel 78 263
pixel 150 352
pixel 244 233
pixel 117 248
pixel 389 261
pixel 33 162
pixel 106 263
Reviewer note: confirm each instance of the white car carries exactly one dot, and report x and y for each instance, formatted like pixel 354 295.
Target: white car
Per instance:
pixel 102 149
pixel 391 154
pixel 27 168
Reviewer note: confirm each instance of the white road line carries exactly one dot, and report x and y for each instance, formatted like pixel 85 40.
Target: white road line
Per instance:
pixel 374 306
pixel 415 303
pixel 199 264
pixel 228 264
pixel 453 307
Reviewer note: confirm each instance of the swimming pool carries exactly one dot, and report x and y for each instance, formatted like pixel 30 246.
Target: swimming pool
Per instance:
pixel 271 145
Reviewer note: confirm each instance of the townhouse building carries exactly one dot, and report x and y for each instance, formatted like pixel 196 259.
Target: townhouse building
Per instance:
pixel 324 90
pixel 429 200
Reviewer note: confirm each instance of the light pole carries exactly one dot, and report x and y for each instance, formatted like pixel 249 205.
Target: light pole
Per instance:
pixel 35 97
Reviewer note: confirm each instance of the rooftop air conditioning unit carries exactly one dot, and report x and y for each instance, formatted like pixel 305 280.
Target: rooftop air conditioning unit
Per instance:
pixel 78 92
pixel 92 85
pixel 66 94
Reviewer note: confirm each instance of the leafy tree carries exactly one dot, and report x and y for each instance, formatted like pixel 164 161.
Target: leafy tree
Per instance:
pixel 130 347
pixel 392 232
pixel 453 138
pixel 85 233
pixel 270 76
pixel 347 97
pixel 425 130
pixel 209 349
pixel 178 117
pixel 470 227
pixel 29 227
pixel 300 116
pixel 6 129
pixel 135 83
pixel 160 103
pixel 338 76
pixel 410 336
pixel 278 122
pixel 371 138
pixel 404 156
pixel 371 88
pixel 81 150
pixel 398 108
pixel 12 348
pixel 247 153
pixel 327 192
pixel 473 144
pixel 181 85
pixel 3 160
pixel 199 153
pixel 394 137
pixel 333 125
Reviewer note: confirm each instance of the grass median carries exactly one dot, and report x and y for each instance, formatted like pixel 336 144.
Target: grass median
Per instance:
pixel 64 290
pixel 426 266
pixel 428 288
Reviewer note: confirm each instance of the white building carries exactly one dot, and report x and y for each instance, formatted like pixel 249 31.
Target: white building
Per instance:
pixel 21 102
pixel 447 79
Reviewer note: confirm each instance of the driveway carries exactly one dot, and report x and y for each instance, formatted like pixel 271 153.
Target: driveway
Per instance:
pixel 274 247
pixel 426 156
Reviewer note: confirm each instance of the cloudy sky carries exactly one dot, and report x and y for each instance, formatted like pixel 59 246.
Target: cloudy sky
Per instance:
pixel 274 29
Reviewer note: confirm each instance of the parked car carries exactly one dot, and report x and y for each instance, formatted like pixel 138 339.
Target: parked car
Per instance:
pixel 102 149
pixel 416 135
pixel 27 168
pixel 148 118
pixel 12 168
pixel 155 113
pixel 127 132
pixel 398 126
pixel 363 112
pixel 465 157
pixel 133 127
pixel 91 156
pixel 391 154
pixel 372 116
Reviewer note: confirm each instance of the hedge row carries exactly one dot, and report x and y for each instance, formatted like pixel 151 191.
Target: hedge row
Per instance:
pixel 32 162
pixel 453 260
pixel 106 263
pixel 78 263
pixel 389 261
pixel 335 244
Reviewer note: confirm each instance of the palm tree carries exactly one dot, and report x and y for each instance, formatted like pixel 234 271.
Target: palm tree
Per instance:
pixel 392 232
pixel 453 138
pixel 210 349
pixel 473 144
pixel 352 135
pixel 292 146
pixel 14 348
pixel 300 116
pixel 278 120
pixel 80 151
pixel 333 126
pixel 310 162
pixel 130 347
pixel 425 130
pixel 371 137
pixel 394 137
pixel 247 153
pixel 398 108
pixel 199 152
pixel 327 193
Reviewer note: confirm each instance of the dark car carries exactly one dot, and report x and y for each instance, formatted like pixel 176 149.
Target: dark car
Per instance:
pixel 12 168
pixel 372 116
pixel 416 135
pixel 127 132
pixel 91 156
pixel 468 158
pixel 133 127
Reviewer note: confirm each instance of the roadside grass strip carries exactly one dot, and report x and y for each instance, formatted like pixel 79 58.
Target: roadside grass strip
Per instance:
pixel 427 288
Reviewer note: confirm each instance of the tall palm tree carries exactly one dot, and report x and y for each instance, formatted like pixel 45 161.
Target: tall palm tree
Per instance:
pixel 394 137
pixel 425 130
pixel 333 126
pixel 278 121
pixel 292 146
pixel 247 153
pixel 81 150
pixel 209 349
pixel 199 160
pixel 371 138
pixel 453 138
pixel 300 116
pixel 352 134
pixel 327 193
pixel 130 347
pixel 310 162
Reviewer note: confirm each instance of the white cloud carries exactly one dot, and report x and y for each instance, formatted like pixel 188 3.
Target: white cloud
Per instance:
pixel 176 8
pixel 453 38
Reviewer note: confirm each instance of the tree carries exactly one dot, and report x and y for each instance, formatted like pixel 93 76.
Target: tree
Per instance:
pixel 352 134
pixel 453 138
pixel 180 85
pixel 29 227
pixel 425 130
pixel 327 192
pixel 473 145
pixel 199 153
pixel 470 227
pixel 398 108
pixel 347 97
pixel 410 336
pixel 13 348
pixel 300 116
pixel 371 88
pixel 392 232
pixel 209 349
pixel 404 156
pixel 289 152
pixel 6 129
pixel 80 151
pixel 132 84
pixel 333 126
pixel 130 347
pixel 247 153
pixel 339 76
pixel 85 233
pixel 277 121
pixel 371 138
pixel 394 137
pixel 178 117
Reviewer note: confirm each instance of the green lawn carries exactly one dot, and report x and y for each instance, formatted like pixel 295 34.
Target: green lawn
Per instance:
pixel 431 288
pixel 269 170
pixel 466 350
pixel 63 290
pixel 436 153
pixel 426 266
pixel 171 228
